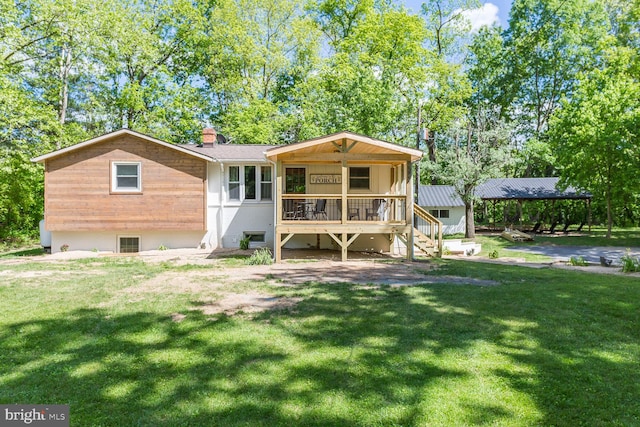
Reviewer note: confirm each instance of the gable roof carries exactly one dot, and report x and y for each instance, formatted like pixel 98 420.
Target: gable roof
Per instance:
pixel 371 146
pixel 526 189
pixel 438 195
pixel 117 134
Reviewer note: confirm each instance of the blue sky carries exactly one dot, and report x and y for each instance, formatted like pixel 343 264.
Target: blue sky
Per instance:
pixel 491 10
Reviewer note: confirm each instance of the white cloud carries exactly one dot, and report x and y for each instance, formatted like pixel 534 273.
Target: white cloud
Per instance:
pixel 486 15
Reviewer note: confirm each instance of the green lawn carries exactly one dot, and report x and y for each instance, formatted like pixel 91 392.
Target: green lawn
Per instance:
pixel 544 347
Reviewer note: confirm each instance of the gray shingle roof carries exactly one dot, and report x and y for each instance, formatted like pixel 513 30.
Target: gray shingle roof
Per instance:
pixel 526 188
pixel 233 152
pixel 438 195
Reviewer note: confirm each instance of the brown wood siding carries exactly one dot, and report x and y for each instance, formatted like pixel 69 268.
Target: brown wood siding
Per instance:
pixel 78 193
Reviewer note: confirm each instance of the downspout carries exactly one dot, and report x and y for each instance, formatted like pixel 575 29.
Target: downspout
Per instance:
pixel 274 180
pixel 220 217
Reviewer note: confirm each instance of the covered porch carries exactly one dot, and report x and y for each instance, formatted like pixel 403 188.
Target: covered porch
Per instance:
pixel 344 187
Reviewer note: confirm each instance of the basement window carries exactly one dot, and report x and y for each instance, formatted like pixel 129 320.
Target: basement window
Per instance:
pixel 128 245
pixel 254 236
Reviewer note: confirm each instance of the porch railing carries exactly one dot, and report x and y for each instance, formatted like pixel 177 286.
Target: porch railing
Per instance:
pixel 328 208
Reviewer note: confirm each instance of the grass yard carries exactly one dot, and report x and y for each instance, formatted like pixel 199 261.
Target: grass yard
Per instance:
pixel 544 347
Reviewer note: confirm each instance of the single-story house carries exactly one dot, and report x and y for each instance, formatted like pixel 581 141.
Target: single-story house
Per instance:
pixel 443 203
pixel 128 192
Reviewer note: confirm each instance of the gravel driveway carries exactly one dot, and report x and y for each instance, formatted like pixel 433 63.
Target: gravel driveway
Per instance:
pixel 591 254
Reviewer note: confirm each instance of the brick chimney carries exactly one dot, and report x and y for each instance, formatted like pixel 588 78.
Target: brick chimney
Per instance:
pixel 209 136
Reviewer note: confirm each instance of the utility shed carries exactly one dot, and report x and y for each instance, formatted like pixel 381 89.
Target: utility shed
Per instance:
pixel 444 203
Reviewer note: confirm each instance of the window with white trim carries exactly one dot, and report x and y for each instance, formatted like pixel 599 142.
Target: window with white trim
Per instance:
pixel 442 213
pixel 266 183
pixel 249 182
pixel 234 182
pixel 126 177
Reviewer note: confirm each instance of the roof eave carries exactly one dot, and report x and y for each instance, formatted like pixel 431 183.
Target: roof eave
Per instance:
pixel 115 134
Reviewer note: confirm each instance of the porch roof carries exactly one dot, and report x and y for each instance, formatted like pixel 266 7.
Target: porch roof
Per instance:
pixel 358 146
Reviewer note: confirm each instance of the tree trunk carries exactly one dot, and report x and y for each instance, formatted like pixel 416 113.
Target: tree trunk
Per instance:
pixel 65 68
pixel 431 146
pixel 609 215
pixel 470 225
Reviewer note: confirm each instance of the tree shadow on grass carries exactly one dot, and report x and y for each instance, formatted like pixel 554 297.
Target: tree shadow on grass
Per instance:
pixel 346 357
pixel 22 252
pixel 573 340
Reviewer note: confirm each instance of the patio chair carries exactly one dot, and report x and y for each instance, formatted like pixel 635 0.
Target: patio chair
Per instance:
pixel 291 210
pixel 373 212
pixel 320 209
pixel 352 212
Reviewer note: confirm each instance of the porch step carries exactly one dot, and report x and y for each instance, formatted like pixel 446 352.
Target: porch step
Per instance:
pixel 458 247
pixel 424 243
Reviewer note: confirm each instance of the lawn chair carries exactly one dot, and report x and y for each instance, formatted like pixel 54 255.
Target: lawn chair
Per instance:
pixel 320 209
pixel 374 211
pixel 291 210
pixel 352 212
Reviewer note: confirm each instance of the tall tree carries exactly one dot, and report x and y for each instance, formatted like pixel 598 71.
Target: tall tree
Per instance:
pixel 369 83
pixel 253 55
pixel 447 89
pixel 547 44
pixel 595 133
pixel 478 149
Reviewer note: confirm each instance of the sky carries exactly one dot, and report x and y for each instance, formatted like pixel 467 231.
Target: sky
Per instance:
pixel 491 11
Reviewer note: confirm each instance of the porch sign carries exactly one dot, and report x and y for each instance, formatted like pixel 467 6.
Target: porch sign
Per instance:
pixel 326 179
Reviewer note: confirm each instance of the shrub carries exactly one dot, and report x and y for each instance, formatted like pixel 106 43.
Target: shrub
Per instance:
pixel 578 261
pixel 244 243
pixel 494 254
pixel 629 263
pixel 261 256
pixel 64 248
pixel 162 248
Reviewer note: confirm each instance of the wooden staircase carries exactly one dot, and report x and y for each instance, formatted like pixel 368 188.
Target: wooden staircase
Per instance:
pixel 427 232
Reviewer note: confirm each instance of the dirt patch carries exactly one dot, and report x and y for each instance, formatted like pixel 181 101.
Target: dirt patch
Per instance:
pixel 251 302
pixel 177 283
pixel 43 273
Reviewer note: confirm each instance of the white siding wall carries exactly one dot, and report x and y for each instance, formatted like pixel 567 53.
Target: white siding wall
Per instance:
pixel 455 223
pixel 227 221
pixel 107 241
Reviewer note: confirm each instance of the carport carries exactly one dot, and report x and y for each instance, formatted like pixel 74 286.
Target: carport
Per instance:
pixel 508 191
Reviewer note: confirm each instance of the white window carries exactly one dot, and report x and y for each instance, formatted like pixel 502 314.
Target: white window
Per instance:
pixel 249 182
pixel 126 177
pixel 234 182
pixel 266 183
